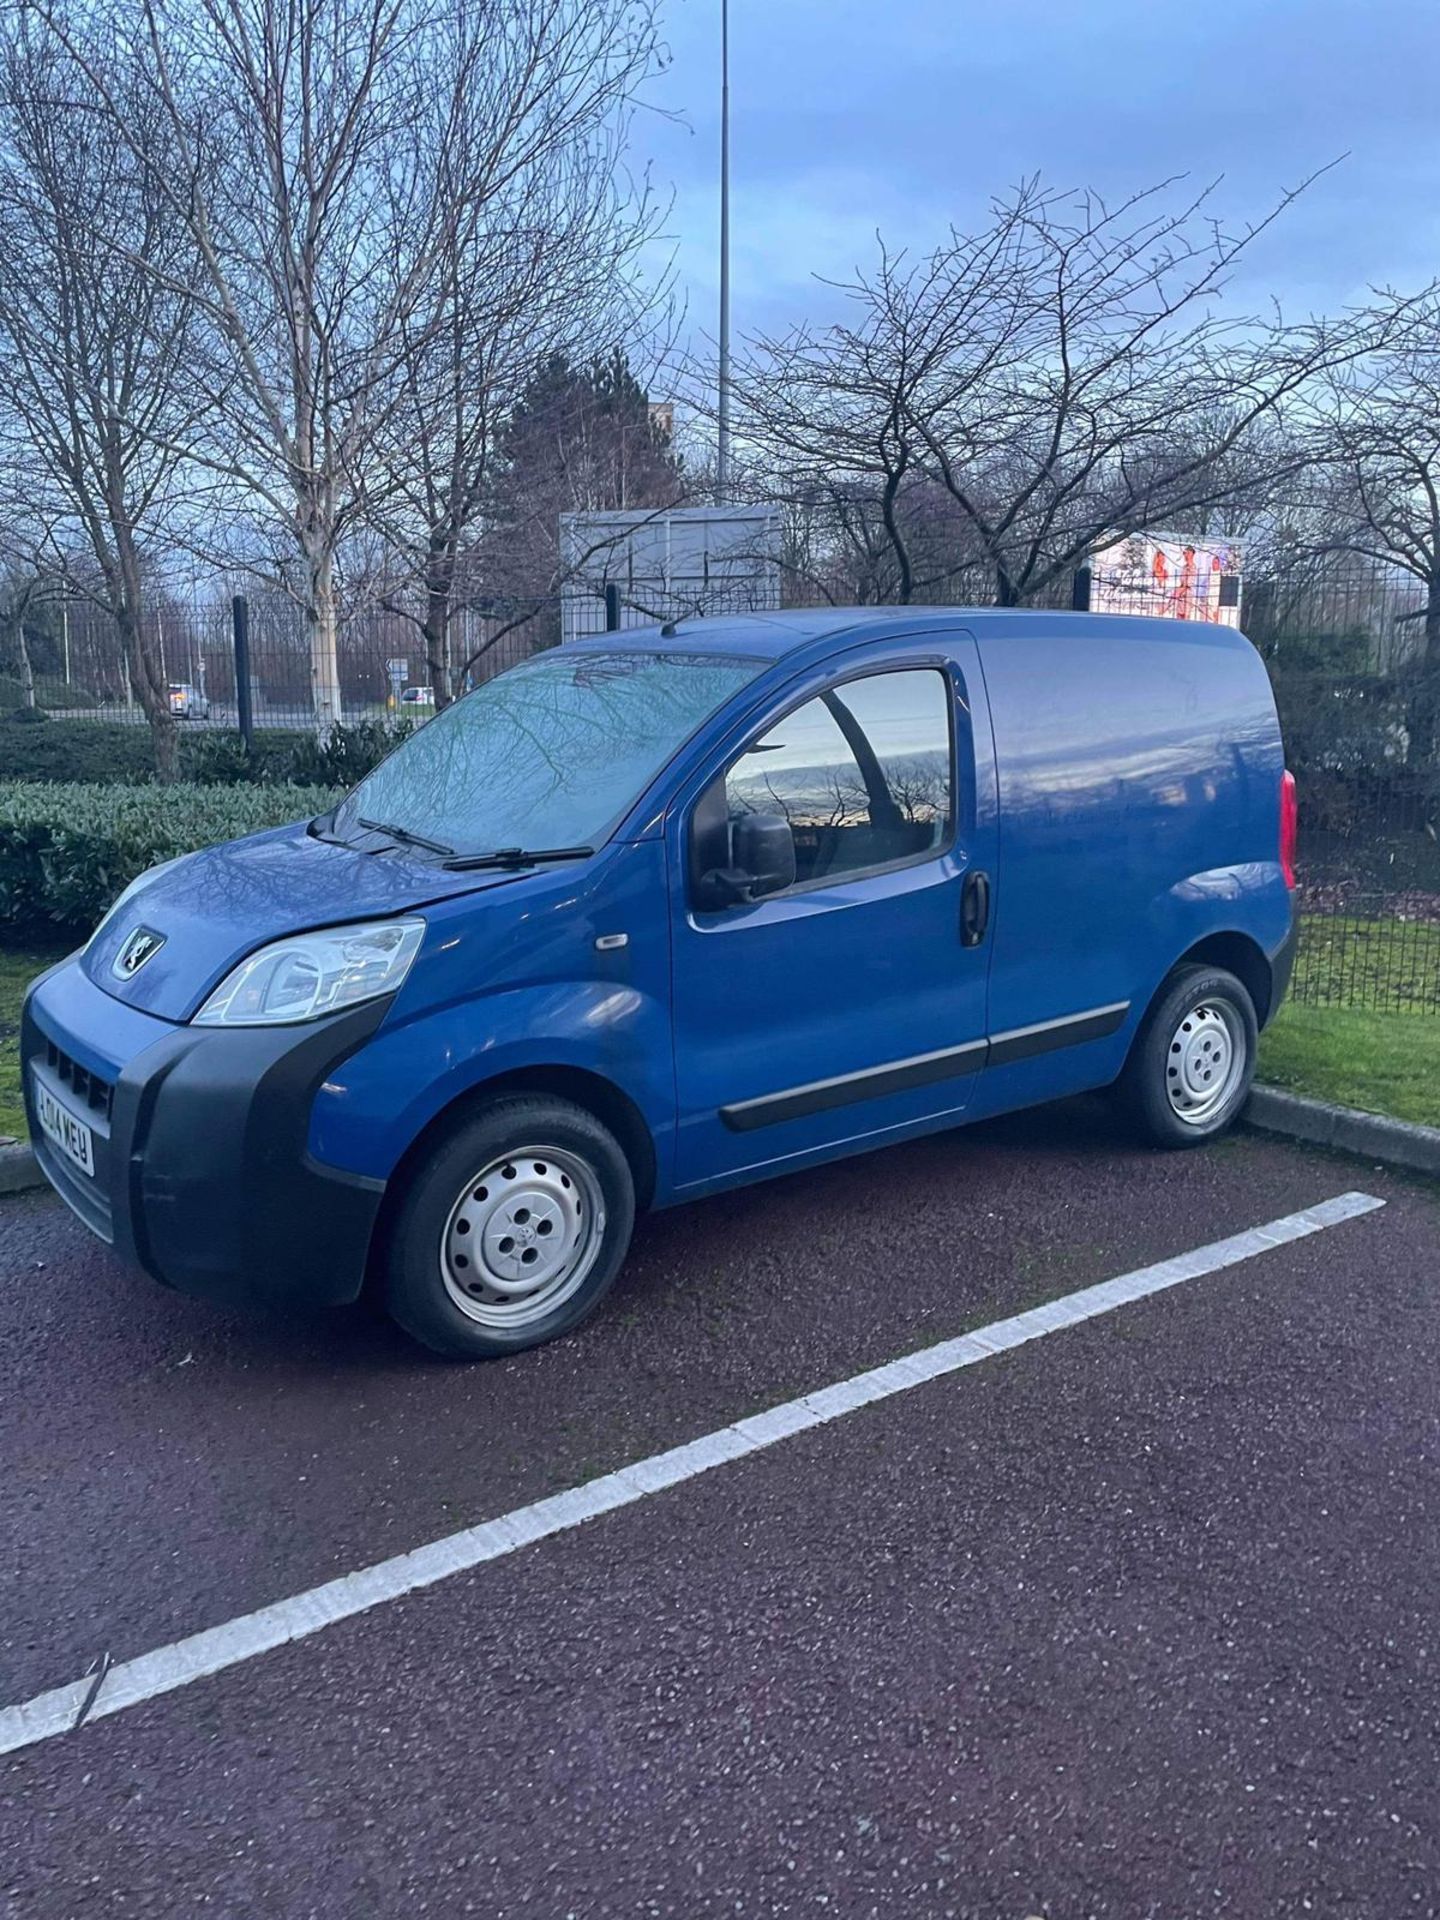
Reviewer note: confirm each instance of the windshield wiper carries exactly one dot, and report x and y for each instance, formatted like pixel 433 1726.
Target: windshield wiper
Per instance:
pixel 518 857
pixel 405 836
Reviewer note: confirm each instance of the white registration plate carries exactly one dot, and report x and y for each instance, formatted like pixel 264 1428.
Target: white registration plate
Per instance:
pixel 72 1136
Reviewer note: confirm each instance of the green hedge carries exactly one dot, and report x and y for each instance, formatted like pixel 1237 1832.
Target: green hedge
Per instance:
pixel 67 851
pixel 95 751
pixel 112 751
pixel 48 693
pixel 60 694
pixel 74 750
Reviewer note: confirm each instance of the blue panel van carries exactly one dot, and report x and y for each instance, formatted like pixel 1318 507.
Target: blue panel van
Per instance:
pixel 668 911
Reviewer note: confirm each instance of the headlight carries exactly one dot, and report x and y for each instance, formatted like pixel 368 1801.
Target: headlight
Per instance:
pixel 137 885
pixel 314 974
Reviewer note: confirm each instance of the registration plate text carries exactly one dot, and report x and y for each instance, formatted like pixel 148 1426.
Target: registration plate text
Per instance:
pixel 71 1135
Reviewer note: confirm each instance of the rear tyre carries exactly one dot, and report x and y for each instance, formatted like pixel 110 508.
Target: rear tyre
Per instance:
pixel 1190 1068
pixel 511 1230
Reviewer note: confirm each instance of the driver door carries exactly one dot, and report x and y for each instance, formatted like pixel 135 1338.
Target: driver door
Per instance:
pixel 849 1005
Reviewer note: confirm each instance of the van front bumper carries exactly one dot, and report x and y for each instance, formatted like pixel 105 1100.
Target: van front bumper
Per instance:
pixel 202 1174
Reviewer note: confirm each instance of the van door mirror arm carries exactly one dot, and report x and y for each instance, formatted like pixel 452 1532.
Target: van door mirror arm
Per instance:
pixel 725 887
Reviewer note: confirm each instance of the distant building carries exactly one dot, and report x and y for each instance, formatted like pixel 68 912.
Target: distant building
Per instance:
pixel 666 564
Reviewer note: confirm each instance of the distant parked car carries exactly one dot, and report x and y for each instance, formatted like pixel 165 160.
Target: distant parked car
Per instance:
pixel 418 697
pixel 187 704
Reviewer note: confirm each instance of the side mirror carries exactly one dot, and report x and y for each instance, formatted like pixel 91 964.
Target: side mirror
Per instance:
pixel 765 850
pixel 764 862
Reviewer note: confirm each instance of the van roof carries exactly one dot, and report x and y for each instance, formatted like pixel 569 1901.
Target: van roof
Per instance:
pixel 766 634
pixel 769 636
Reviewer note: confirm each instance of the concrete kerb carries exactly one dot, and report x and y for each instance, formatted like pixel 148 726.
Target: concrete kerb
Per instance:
pixel 19 1170
pixel 1369 1136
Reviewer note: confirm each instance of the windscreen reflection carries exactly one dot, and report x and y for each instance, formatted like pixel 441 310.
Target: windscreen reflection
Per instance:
pixel 550 754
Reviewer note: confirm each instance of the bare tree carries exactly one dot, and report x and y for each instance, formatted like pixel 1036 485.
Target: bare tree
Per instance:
pixel 1063 377
pixel 315 112
pixel 543 262
pixel 21 588
pixel 1380 437
pixel 96 323
pixel 323 159
pixel 580 437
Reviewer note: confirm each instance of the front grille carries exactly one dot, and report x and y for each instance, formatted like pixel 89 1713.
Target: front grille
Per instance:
pixel 88 1088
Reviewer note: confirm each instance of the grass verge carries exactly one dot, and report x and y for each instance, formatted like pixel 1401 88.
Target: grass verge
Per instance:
pixel 18 967
pixel 1379 1062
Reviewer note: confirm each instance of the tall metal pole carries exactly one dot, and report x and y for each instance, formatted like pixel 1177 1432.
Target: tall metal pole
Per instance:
pixel 722 448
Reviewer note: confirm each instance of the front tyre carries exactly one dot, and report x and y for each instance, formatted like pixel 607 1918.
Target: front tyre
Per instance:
pixel 511 1230
pixel 1190 1068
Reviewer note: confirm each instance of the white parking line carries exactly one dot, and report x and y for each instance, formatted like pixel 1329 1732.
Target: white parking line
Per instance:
pixel 201 1654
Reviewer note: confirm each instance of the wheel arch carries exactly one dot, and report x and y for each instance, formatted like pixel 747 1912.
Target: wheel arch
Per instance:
pixel 608 1103
pixel 1240 954
pixel 1142 1083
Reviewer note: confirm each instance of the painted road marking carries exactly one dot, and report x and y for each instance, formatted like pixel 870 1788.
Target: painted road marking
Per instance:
pixel 132 1681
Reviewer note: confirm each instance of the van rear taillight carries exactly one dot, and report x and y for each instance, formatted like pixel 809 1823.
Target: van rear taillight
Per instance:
pixel 1289 826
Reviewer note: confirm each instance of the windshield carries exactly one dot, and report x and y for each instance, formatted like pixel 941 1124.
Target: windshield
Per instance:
pixel 548 755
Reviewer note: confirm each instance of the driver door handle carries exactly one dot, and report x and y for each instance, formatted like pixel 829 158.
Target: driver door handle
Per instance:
pixel 974 909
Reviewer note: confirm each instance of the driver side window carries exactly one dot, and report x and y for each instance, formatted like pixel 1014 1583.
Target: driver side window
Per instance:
pixel 862 775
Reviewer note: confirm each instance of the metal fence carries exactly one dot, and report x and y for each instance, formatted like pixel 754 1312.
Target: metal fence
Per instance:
pixel 1344 643
pixel 79 669
pixel 1369 892
pixel 79 672
pixel 1346 647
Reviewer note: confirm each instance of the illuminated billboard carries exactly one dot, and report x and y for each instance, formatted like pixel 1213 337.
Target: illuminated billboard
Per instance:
pixel 1169 575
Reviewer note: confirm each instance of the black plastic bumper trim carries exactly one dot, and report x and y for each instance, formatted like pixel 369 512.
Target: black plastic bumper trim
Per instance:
pixel 924 1069
pixel 1282 967
pixel 204 1176
pixel 921 1070
pixel 1024 1043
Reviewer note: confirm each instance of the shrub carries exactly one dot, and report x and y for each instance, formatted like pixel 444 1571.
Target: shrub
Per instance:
pixel 27 716
pixel 220 760
pixel 114 752
pixel 53 694
pixel 349 753
pixel 76 750
pixel 1354 726
pixel 67 851
pixel 59 694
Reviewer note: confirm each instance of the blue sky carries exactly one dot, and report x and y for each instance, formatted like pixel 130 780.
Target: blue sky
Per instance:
pixel 848 115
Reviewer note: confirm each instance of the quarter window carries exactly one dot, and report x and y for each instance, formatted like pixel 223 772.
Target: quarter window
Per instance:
pixel 862 774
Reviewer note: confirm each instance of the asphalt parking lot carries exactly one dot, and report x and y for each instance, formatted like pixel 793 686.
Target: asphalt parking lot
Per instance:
pixel 1136 1619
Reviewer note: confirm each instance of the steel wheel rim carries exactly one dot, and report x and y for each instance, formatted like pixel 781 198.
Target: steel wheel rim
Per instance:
pixel 1205 1062
pixel 522 1236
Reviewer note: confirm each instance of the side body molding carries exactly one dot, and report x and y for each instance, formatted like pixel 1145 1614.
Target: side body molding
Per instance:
pixel 924 1069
